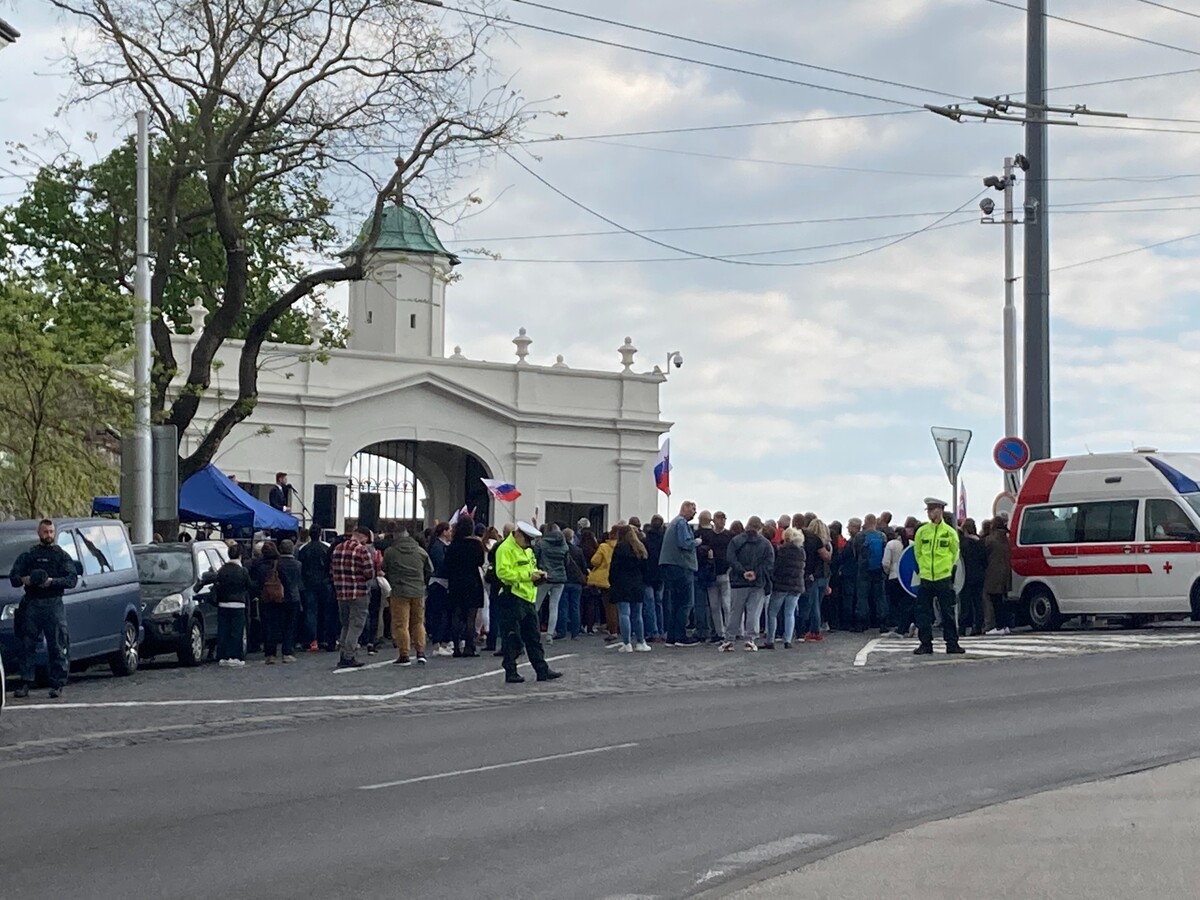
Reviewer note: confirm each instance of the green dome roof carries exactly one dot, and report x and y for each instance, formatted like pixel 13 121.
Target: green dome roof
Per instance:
pixel 407 230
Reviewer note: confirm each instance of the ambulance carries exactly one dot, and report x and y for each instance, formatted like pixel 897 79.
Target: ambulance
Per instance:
pixel 1108 535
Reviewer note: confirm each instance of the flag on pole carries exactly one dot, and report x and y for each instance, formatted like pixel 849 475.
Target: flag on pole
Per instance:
pixel 458 514
pixel 962 502
pixel 662 468
pixel 501 490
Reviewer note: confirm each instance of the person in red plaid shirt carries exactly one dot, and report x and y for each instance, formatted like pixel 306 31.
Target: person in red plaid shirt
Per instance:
pixel 352 566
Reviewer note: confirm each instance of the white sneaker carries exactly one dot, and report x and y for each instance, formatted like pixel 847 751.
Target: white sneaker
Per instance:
pixel 443 651
pixel 237 663
pixel 995 631
pixel 624 648
pixel 643 647
pixel 725 647
pixel 1007 631
pixel 223 663
pixel 547 639
pixel 750 647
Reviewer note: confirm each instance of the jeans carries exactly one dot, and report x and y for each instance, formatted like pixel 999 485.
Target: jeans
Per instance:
pixel 718 603
pixel 746 604
pixel 353 614
pixel 519 627
pixel 785 603
pixel 660 610
pixel 700 608
pixel 437 614
pixel 632 626
pixel 554 592
pixel 44 618
pixel 231 631
pixel 328 622
pixel 678 596
pixel 871 607
pixel 279 627
pixel 815 595
pixel 568 611
pixel 306 624
pixel 372 628
pixel 942 593
pixel 408 624
pixel 650 611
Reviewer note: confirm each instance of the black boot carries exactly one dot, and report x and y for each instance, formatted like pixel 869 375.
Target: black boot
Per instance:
pixel 923 650
pixel 548 675
pixel 514 678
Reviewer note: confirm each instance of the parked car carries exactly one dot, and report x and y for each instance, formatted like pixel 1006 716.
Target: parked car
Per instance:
pixel 104 611
pixel 179 611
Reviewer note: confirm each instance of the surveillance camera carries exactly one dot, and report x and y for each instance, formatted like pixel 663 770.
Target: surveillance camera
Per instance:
pixel 678 360
pixel 1021 160
pixel 987 205
pixel 994 181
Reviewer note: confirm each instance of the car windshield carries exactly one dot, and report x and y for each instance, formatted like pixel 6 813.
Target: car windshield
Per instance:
pixel 164 566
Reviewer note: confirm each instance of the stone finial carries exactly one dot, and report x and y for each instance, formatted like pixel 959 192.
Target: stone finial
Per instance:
pixel 559 364
pixel 522 340
pixel 198 313
pixel 458 354
pixel 316 326
pixel 627 352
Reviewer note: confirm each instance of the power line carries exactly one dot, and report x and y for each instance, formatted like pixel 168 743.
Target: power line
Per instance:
pixel 1128 78
pixel 1174 9
pixel 1098 259
pixel 1101 29
pixel 741 50
pixel 685 59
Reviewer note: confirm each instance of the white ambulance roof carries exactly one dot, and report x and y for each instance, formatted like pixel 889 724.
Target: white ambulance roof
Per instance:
pixel 1122 475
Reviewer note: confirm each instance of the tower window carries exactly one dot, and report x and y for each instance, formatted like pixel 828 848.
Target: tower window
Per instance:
pixel 369 314
pixel 412 321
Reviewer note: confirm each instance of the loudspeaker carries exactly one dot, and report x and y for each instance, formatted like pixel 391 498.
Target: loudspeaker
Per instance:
pixel 324 505
pixel 368 511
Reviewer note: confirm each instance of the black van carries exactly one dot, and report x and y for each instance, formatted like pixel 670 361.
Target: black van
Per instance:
pixel 104 607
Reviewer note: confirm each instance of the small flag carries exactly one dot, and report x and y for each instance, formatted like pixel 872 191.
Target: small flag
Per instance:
pixel 962 502
pixel 458 514
pixel 501 490
pixel 662 468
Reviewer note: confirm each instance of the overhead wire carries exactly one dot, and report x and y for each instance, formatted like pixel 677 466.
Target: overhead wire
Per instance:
pixel 1109 31
pixel 1100 259
pixel 1174 9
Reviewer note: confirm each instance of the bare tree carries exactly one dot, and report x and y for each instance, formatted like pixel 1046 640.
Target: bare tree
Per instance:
pixel 251 91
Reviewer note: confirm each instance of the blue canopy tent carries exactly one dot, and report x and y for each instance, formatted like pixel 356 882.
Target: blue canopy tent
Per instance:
pixel 209 496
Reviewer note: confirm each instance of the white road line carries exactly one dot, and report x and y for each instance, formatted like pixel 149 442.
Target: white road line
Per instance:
pixel 250 701
pixel 775 849
pixel 861 659
pixel 1014 646
pixel 508 765
pixel 366 667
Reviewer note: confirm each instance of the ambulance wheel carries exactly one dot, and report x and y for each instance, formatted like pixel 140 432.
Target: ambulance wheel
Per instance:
pixel 1196 601
pixel 1042 610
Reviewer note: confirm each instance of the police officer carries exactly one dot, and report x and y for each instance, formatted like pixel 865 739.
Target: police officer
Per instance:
pixel 517 604
pixel 936 548
pixel 45 571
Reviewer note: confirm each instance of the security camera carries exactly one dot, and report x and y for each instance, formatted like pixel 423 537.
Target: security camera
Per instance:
pixel 1021 160
pixel 675 358
pixel 994 181
pixel 988 205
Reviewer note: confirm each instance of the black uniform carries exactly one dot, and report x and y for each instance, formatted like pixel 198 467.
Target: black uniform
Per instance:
pixel 50 571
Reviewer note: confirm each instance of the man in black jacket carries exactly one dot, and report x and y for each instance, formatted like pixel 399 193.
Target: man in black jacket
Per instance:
pixel 45 571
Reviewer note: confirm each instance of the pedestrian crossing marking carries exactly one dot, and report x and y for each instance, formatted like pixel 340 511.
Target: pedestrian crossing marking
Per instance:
pixel 1033 645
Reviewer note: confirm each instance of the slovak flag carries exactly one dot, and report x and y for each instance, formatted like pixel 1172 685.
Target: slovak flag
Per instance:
pixel 501 490
pixel 662 468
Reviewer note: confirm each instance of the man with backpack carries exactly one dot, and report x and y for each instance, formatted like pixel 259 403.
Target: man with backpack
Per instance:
pixel 871 609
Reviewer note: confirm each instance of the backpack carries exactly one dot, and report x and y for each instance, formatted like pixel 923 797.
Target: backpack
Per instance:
pixel 874 543
pixel 272 589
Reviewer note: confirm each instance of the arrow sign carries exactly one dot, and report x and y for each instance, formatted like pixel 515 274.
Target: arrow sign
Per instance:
pixel 952 446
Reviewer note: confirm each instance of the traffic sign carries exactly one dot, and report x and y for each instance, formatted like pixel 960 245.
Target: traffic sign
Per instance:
pixel 910 580
pixel 1011 454
pixel 952 446
pixel 1004 504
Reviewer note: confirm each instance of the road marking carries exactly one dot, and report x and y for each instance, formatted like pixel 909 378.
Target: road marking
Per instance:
pixel 249 701
pixel 763 853
pixel 12 763
pixel 233 737
pixel 1031 645
pixel 367 667
pixel 492 768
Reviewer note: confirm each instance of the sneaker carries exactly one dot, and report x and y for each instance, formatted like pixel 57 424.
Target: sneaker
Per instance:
pixel 726 647
pixel 668 643
pixel 688 642
pixel 549 675
pixel 1007 631
pixel 769 645
pixel 269 661
pixel 750 647
pixel 956 649
pixel 22 692
pixel 809 637
pixel 923 650
pixel 237 663
pixel 223 663
pixel 643 647
pixel 818 637
pixel 371 650
pixel 443 651
pixel 289 658
pixel 402 661
pixel 55 693
pixel 787 645
pixel 995 632
pixel 313 647
pixel 421 659
pixel 624 648
pixel 344 663
pixel 548 639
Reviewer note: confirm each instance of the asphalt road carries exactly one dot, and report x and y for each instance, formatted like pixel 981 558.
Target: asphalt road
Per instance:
pixel 631 795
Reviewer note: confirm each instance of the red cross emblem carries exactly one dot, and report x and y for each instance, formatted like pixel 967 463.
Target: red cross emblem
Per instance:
pixel 1167 567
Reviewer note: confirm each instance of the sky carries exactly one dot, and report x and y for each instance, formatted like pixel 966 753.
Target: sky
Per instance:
pixel 812 376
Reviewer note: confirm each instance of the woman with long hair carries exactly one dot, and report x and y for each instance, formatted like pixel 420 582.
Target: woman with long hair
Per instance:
pixel 787 587
pixel 818 551
pixel 600 562
pixel 464 574
pixel 627 588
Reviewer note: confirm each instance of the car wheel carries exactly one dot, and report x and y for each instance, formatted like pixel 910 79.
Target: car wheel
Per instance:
pixel 1042 610
pixel 1196 602
pixel 192 653
pixel 125 660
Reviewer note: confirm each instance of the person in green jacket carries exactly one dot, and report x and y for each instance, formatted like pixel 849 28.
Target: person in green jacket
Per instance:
pixel 936 548
pixel 519 578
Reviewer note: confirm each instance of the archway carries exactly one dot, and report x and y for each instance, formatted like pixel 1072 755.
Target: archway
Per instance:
pixel 414 483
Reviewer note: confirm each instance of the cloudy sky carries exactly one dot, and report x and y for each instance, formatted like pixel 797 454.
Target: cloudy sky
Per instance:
pixel 814 373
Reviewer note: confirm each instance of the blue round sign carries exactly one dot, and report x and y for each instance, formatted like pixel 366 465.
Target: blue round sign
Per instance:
pixel 1011 454
pixel 908 571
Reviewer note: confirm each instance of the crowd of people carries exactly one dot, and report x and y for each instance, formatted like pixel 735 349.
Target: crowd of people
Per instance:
pixel 459 587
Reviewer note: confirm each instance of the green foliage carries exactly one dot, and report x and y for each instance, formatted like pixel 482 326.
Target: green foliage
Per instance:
pixel 72 237
pixel 58 417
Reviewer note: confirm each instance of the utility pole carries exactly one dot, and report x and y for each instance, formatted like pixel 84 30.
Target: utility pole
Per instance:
pixel 142 499
pixel 1037 238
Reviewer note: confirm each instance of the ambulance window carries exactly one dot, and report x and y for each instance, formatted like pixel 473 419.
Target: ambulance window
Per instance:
pixel 1107 522
pixel 1049 525
pixel 1166 521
